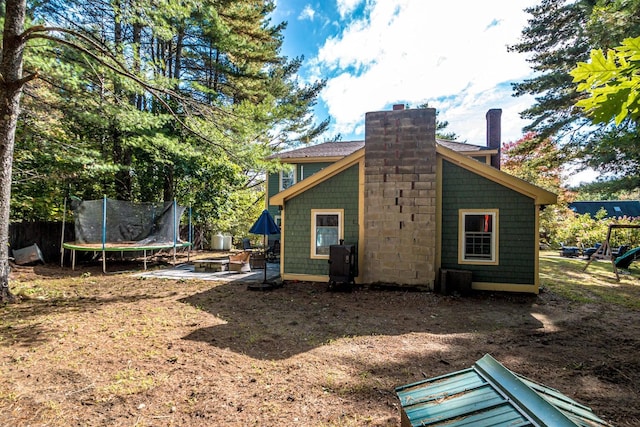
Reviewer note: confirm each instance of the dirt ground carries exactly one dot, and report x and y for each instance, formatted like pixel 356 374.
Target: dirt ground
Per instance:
pixel 88 349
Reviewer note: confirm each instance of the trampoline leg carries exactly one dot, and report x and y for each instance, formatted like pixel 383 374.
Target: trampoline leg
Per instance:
pixel 145 259
pixel 104 262
pixel 73 259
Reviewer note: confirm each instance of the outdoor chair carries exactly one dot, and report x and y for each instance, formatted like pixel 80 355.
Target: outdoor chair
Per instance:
pixel 240 263
pixel 246 244
pixel 620 251
pixel 258 260
pixel 273 251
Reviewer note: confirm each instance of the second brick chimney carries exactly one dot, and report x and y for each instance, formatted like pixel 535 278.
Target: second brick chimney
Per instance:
pixel 494 134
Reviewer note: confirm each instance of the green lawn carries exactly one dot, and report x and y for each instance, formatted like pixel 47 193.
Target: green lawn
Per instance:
pixel 565 276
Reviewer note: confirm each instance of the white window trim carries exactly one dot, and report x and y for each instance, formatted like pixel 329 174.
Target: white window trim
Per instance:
pixel 494 237
pixel 281 174
pixel 314 213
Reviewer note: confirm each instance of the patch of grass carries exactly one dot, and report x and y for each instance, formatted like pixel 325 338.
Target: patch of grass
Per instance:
pixel 8 396
pixel 567 278
pixel 351 420
pixel 127 382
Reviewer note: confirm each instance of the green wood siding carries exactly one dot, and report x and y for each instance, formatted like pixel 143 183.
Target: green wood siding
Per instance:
pixel 305 170
pixel 481 159
pixel 338 192
pixel 273 181
pixel 462 189
pixel 273 185
pixel 302 170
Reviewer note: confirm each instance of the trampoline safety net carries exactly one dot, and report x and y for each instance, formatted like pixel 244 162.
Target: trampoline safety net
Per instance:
pixel 143 223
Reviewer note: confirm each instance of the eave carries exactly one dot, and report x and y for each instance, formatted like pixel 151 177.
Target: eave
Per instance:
pixel 317 159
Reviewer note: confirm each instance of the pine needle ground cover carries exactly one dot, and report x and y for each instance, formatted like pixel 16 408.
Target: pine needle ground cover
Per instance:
pixel 84 348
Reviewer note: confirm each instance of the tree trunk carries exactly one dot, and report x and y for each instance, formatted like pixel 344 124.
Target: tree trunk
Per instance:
pixel 121 153
pixel 10 91
pixel 169 185
pixel 136 39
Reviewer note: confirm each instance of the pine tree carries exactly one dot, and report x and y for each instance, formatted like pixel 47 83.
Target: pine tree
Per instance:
pixel 159 98
pixel 559 35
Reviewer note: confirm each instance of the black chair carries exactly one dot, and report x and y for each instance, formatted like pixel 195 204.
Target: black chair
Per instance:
pixel 619 251
pixel 246 244
pixel 273 251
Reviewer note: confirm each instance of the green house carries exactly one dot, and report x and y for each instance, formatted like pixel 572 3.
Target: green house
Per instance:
pixel 414 206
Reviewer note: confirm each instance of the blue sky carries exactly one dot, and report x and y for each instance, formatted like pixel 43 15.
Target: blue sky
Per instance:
pixel 376 53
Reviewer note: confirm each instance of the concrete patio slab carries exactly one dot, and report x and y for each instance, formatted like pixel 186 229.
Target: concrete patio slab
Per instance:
pixel 186 271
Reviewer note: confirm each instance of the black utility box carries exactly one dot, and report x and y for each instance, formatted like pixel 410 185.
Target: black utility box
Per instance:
pixel 455 281
pixel 342 266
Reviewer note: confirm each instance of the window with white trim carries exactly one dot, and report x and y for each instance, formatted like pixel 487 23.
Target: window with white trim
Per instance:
pixel 287 178
pixel 327 228
pixel 478 236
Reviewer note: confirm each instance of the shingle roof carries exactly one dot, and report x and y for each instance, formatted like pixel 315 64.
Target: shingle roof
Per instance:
pixel 326 149
pixel 461 146
pixel 344 148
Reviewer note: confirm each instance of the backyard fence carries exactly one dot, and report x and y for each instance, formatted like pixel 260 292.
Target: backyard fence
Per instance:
pixel 47 235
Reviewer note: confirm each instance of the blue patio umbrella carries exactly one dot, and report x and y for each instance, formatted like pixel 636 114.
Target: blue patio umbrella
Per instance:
pixel 265 225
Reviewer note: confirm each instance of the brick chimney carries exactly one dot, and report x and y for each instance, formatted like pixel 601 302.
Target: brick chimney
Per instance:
pixel 494 134
pixel 400 197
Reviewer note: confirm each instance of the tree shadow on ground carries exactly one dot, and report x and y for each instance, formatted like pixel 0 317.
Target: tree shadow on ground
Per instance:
pixel 17 328
pixel 302 316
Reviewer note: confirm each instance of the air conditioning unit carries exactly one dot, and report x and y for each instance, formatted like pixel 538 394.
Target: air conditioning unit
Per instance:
pixel 455 281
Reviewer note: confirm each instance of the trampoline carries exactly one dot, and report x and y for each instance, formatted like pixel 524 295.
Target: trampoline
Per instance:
pixel 108 225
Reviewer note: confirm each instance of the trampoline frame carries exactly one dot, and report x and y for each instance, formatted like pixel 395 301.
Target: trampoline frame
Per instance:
pixel 105 246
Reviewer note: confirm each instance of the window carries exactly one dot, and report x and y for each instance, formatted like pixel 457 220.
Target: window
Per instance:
pixel 287 178
pixel 326 230
pixel 278 220
pixel 478 237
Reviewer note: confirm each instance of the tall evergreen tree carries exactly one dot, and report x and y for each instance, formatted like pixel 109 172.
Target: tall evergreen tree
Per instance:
pixel 555 40
pixel 560 34
pixel 154 95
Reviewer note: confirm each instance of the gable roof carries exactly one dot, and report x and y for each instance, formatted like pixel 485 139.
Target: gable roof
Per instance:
pixel 539 195
pixel 316 178
pixel 490 394
pixel 333 151
pixel 327 151
pixel 463 147
pixel 614 208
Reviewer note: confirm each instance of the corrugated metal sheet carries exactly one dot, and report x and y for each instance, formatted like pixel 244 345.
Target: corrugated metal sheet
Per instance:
pixel 488 394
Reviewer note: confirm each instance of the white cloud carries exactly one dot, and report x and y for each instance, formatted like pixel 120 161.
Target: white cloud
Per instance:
pixel 412 51
pixel 307 13
pixel 347 6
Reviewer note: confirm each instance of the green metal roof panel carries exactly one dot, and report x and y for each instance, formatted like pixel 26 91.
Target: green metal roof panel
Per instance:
pixel 488 394
pixel 580 414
